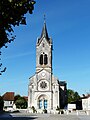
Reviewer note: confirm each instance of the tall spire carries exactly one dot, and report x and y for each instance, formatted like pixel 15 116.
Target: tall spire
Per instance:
pixel 44 18
pixel 44 30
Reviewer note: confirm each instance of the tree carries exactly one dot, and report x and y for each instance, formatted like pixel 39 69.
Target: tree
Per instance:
pixel 76 96
pixel 21 103
pixel 16 98
pixel 12 13
pixel 1 103
pixel 72 96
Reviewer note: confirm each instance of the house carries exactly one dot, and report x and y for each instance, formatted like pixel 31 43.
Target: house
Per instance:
pixel 86 102
pixel 8 99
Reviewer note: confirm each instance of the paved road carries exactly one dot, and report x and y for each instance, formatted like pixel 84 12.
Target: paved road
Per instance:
pixel 24 116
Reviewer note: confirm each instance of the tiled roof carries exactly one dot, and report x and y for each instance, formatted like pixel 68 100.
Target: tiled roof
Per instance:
pixel 8 96
pixel 26 98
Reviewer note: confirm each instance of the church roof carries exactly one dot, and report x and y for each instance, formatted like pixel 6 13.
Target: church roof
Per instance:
pixel 62 83
pixel 44 32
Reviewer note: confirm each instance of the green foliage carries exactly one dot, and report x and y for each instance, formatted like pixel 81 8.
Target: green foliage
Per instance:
pixel 72 96
pixel 1 103
pixel 20 102
pixel 12 13
pixel 59 110
pixel 16 97
pixel 45 111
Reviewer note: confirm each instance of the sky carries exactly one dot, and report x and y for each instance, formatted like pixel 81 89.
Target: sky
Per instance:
pixel 68 24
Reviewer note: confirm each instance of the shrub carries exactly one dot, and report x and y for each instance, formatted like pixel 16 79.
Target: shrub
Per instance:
pixel 45 111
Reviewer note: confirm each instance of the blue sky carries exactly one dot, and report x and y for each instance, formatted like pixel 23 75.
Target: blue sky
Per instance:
pixel 68 23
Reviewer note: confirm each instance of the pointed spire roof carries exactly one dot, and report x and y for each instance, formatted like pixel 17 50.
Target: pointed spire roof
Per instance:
pixel 44 34
pixel 44 31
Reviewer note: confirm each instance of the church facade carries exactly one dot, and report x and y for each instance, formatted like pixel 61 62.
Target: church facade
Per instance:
pixel 45 91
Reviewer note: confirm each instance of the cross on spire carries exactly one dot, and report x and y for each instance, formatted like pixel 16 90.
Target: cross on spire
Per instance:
pixel 44 18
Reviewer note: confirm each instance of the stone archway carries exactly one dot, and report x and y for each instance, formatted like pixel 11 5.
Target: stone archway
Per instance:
pixel 43 101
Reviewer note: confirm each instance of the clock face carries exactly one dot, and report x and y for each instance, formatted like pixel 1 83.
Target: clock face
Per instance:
pixel 43 74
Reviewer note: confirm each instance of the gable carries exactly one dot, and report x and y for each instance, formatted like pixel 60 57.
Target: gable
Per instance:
pixel 44 74
pixel 43 46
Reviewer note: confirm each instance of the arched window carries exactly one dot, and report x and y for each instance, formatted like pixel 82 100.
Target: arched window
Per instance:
pixel 45 59
pixel 41 59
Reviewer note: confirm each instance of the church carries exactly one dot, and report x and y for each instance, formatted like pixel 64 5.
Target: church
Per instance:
pixel 45 91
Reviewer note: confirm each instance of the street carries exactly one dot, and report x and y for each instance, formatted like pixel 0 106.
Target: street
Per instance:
pixel 28 116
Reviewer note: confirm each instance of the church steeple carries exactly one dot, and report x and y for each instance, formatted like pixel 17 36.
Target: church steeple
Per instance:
pixel 44 32
pixel 44 51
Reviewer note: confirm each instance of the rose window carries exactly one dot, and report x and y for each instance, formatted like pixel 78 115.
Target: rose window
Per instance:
pixel 43 84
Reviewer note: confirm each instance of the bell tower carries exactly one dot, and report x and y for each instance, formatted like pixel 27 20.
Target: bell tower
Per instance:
pixel 44 51
pixel 45 91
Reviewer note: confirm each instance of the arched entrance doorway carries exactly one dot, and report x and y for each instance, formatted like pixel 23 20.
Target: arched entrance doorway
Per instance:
pixel 43 102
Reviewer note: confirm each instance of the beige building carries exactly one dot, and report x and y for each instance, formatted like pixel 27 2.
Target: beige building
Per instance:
pixel 45 91
pixel 86 102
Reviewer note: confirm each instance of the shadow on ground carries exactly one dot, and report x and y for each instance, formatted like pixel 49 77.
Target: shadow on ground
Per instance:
pixel 8 116
pixel 18 118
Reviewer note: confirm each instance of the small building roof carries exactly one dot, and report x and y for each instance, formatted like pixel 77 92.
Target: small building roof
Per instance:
pixel 62 83
pixel 85 96
pixel 8 96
